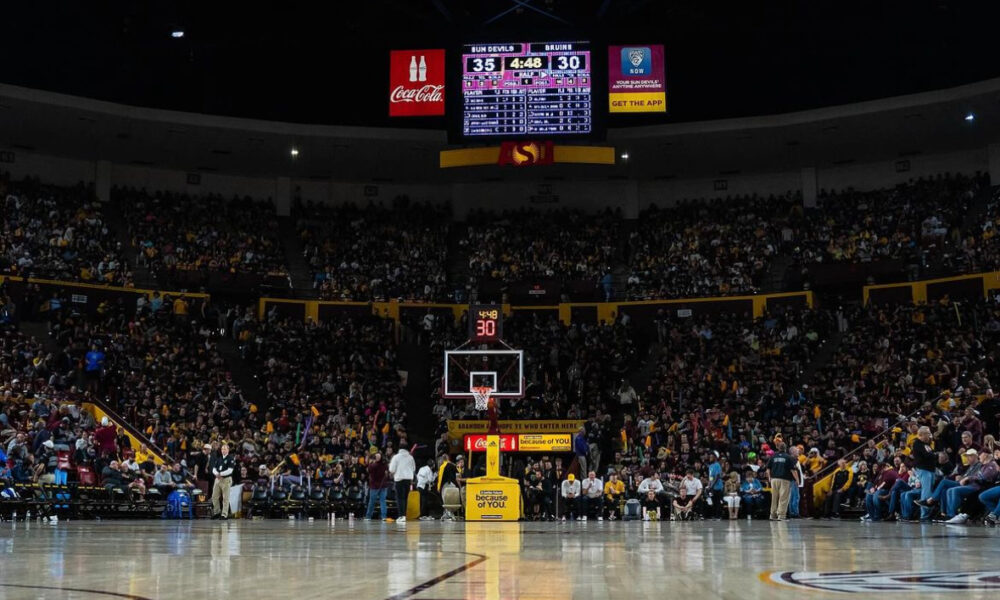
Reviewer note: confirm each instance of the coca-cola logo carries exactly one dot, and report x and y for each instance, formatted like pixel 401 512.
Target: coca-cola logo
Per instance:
pixel 427 93
pixel 478 442
pixel 416 83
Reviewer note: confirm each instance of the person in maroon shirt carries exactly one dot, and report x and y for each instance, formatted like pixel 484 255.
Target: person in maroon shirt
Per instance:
pixel 971 423
pixel 880 485
pixel 105 438
pixel 378 485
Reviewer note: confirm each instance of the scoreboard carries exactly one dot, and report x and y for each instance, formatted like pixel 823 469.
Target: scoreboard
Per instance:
pixel 525 89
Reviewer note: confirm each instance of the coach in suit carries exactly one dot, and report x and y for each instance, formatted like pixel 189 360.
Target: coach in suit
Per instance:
pixel 222 467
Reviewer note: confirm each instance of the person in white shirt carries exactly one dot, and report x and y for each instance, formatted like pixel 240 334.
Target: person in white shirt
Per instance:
pixel 626 395
pixel 654 485
pixel 425 483
pixel 591 496
pixel 402 468
pixel 691 490
pixel 651 484
pixel 571 496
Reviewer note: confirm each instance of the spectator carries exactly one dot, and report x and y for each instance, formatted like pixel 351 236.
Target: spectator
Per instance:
pixel 402 468
pixel 614 494
pixel 425 483
pixel 591 493
pixel 925 461
pixel 581 449
pixel 378 486
pixel 571 498
pixel 650 507
pixel 751 493
pixel 732 495
pixel 843 477
pixel 690 492
pixel 716 485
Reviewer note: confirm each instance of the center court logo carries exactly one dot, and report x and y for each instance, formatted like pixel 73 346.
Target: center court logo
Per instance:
pixel 870 582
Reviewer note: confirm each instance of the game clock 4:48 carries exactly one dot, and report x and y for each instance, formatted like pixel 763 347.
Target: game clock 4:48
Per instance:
pixel 485 323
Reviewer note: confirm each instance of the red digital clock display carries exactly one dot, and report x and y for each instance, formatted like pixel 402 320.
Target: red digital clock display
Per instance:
pixel 485 323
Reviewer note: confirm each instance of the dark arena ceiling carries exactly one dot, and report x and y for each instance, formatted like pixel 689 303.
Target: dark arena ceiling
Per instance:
pixel 326 63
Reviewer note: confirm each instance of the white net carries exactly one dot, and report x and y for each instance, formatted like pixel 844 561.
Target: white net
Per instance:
pixel 482 397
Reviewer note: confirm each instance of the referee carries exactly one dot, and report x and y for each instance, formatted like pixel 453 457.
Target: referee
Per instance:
pixel 222 467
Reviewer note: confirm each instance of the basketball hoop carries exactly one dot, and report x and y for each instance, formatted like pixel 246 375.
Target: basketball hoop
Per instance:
pixel 482 396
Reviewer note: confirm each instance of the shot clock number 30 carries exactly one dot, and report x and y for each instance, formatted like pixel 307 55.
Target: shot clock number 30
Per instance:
pixel 485 323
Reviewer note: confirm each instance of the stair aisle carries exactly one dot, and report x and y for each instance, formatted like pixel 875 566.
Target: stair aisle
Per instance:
pixel 242 374
pixel 421 423
pixel 298 269
pixel 142 276
pixel 457 265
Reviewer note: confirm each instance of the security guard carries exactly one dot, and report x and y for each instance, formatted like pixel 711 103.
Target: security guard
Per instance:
pixel 222 467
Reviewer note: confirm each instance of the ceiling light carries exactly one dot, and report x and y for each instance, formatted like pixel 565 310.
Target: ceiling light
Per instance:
pixel 970 117
pixel 177 34
pixel 295 152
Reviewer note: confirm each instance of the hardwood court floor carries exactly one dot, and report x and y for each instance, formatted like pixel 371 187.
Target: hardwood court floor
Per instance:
pixel 299 560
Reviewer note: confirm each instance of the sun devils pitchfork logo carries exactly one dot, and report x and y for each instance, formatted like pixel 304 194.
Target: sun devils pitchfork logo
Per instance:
pixel 875 582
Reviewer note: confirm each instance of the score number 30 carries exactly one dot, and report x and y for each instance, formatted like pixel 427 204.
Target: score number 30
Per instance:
pixel 486 328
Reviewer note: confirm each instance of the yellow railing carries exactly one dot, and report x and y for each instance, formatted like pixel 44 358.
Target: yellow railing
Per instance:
pixel 136 442
pixel 96 286
pixel 918 289
pixel 605 311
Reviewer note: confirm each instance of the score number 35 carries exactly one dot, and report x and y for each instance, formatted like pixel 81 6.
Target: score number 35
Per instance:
pixel 484 64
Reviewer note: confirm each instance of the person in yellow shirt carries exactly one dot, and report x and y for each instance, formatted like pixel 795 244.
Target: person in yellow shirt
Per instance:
pixel 815 462
pixel 911 433
pixel 180 307
pixel 614 493
pixel 947 403
pixel 143 455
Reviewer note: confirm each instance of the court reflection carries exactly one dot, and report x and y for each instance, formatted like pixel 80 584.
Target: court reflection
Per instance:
pixel 509 570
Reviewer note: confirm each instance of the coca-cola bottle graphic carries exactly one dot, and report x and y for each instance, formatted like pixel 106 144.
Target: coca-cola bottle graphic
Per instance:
pixel 422 70
pixel 413 68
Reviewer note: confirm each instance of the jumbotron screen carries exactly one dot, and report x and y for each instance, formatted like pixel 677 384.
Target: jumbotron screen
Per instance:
pixel 528 88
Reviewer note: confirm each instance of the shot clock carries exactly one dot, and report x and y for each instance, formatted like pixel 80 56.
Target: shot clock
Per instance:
pixel 485 323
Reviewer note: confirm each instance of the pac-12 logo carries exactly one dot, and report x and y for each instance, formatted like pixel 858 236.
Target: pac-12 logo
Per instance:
pixel 636 62
pixel 524 154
